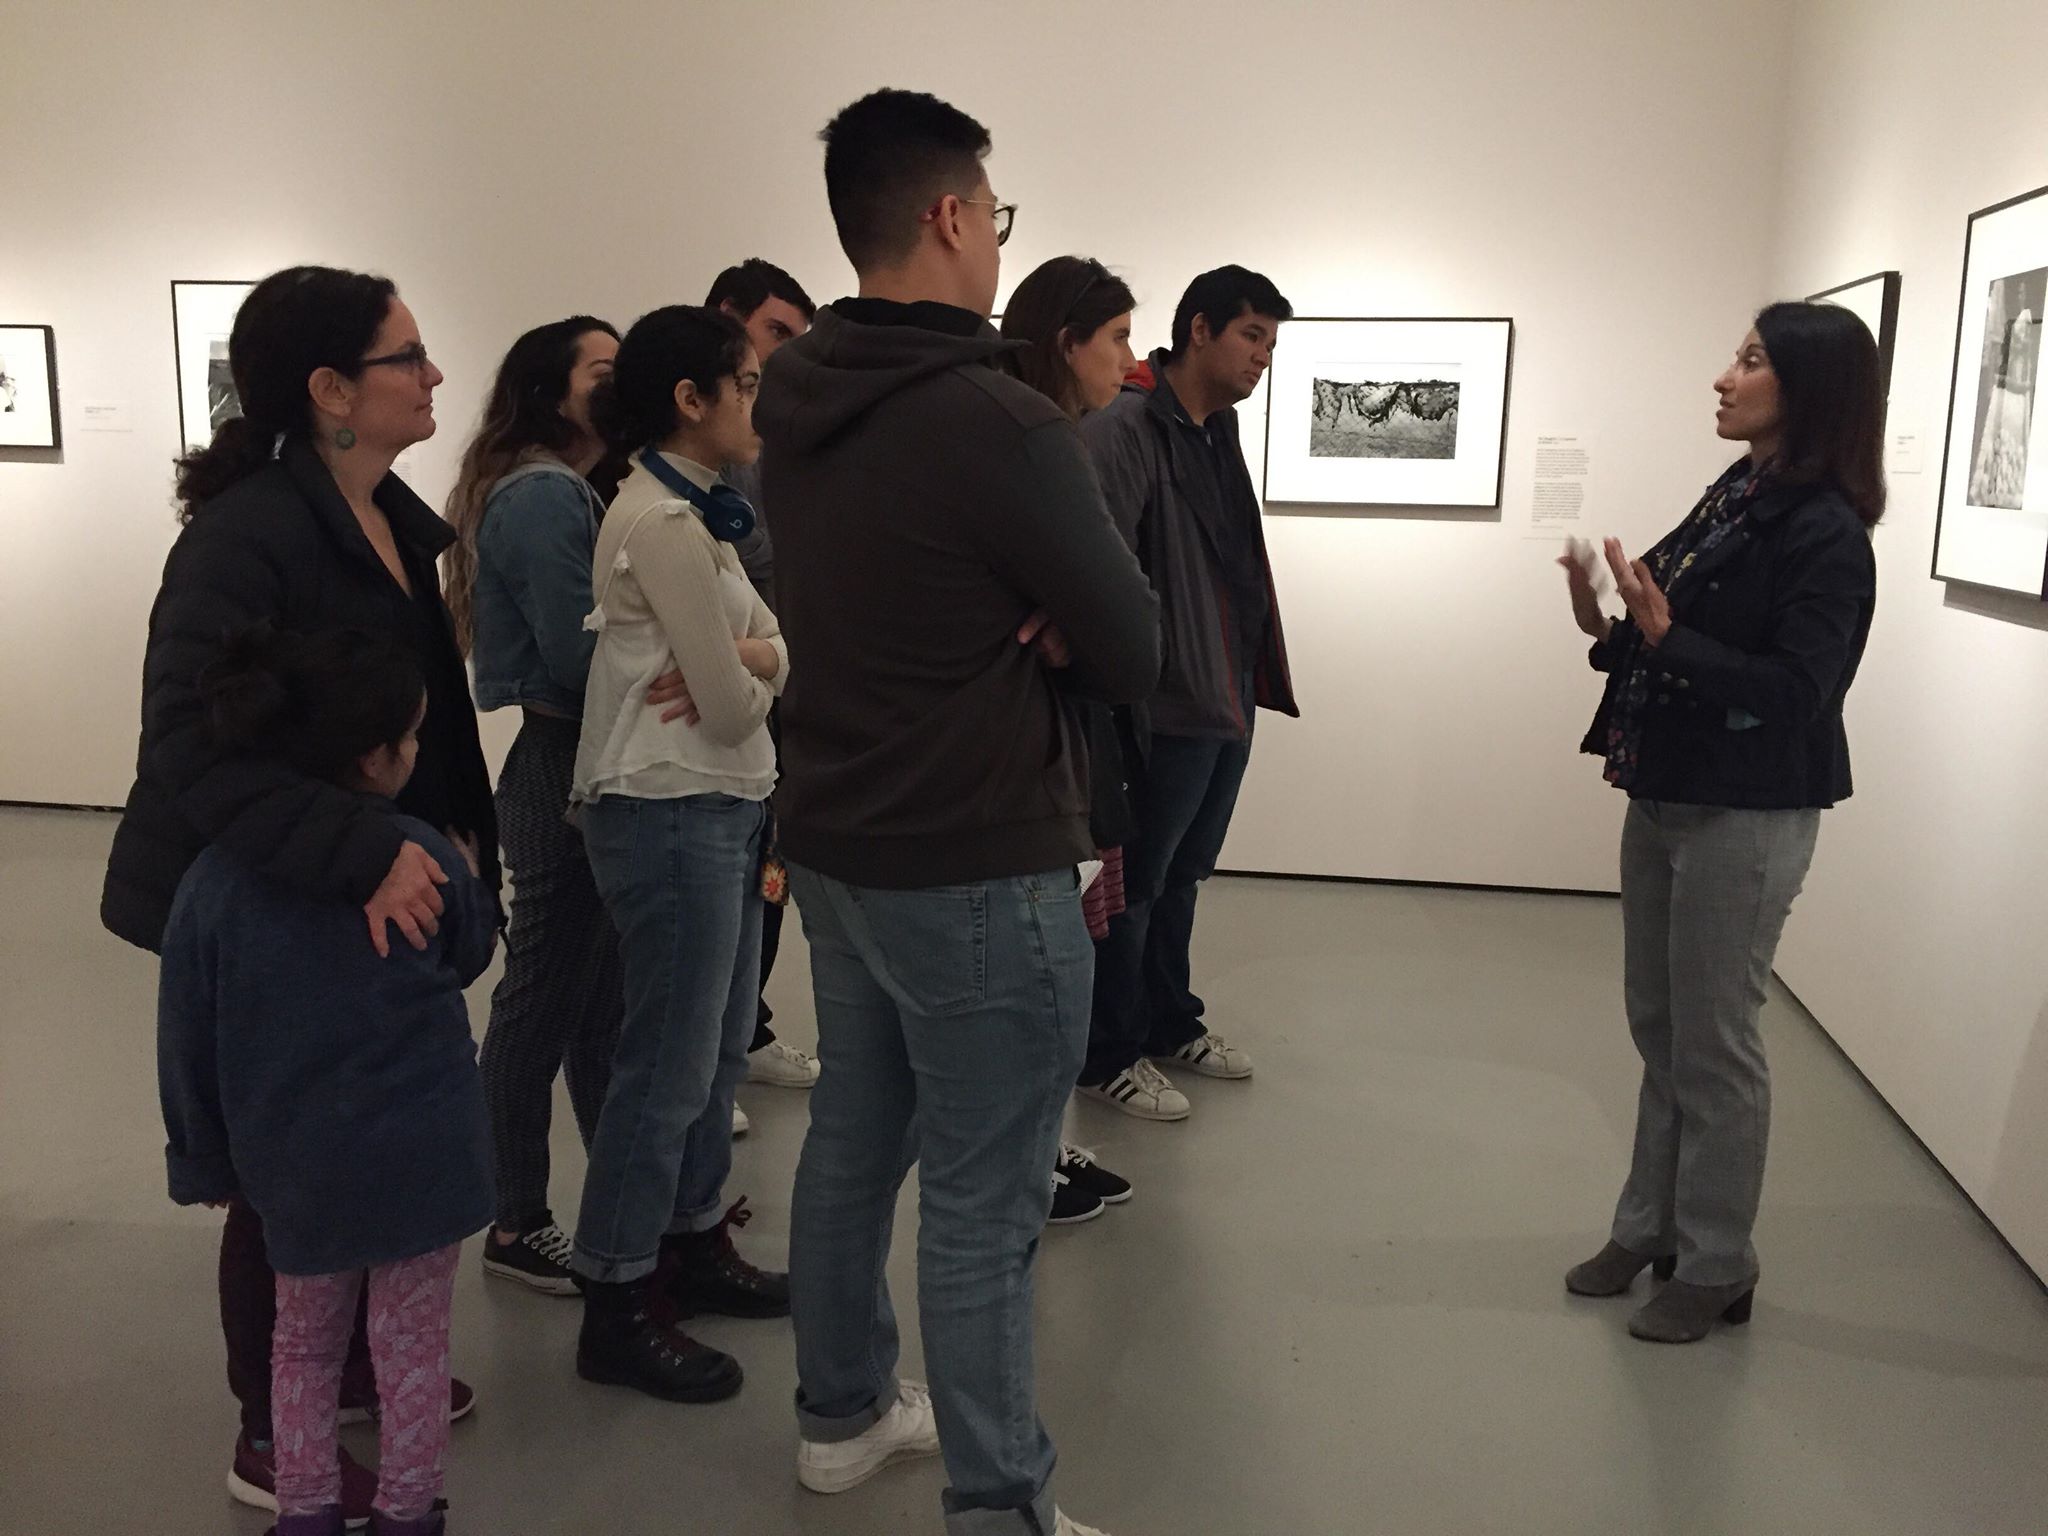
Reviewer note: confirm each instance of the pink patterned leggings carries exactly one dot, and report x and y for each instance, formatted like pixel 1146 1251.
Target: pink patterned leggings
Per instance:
pixel 409 1308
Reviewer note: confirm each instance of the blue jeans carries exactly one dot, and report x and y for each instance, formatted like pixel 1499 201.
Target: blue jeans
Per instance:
pixel 1144 1000
pixel 681 879
pixel 950 1024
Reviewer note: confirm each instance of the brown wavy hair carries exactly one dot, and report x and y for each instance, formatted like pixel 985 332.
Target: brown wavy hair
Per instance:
pixel 522 420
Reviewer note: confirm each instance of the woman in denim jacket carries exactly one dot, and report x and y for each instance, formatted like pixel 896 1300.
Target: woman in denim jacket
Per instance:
pixel 518 587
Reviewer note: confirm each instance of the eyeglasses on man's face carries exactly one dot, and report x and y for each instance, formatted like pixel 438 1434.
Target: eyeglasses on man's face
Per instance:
pixel 1005 214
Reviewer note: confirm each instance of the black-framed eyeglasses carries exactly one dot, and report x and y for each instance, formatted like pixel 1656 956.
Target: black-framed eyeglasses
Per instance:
pixel 1005 215
pixel 413 357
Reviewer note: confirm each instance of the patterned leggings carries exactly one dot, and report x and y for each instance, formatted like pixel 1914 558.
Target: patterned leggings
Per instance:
pixel 409 1308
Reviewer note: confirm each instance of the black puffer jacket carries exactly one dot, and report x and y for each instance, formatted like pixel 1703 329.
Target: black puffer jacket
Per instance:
pixel 283 545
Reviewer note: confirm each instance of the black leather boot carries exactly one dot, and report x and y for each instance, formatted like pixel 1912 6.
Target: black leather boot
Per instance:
pixel 624 1345
pixel 703 1273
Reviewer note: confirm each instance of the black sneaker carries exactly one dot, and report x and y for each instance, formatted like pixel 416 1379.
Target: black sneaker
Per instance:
pixel 701 1272
pixel 623 1345
pixel 1071 1204
pixel 538 1259
pixel 1080 1167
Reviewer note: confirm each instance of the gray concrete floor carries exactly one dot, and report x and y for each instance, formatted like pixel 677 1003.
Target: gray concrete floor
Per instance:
pixel 1334 1305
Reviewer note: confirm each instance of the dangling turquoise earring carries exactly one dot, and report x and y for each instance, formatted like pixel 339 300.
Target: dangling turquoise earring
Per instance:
pixel 344 439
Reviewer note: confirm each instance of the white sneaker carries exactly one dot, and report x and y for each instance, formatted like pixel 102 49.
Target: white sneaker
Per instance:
pixel 1142 1090
pixel 740 1123
pixel 1212 1056
pixel 782 1066
pixel 907 1430
pixel 1064 1527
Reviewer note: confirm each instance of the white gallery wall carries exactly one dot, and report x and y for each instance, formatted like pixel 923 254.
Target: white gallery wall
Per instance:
pixel 1628 182
pixel 1919 943
pixel 1575 166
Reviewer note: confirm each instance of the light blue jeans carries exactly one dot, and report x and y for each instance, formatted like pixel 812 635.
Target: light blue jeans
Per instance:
pixel 682 881
pixel 951 1023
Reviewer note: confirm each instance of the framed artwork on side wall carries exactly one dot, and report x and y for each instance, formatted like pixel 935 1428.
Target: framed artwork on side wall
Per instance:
pixel 1389 412
pixel 1992 528
pixel 28 388
pixel 1875 301
pixel 202 318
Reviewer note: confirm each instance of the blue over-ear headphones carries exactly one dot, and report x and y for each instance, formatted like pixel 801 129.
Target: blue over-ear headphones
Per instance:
pixel 728 514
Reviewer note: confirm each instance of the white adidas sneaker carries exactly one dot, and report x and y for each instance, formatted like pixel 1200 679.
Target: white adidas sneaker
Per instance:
pixel 906 1431
pixel 1141 1090
pixel 1066 1527
pixel 1212 1056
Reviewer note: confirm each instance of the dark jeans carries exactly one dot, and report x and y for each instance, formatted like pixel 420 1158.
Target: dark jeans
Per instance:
pixel 771 945
pixel 248 1318
pixel 1182 801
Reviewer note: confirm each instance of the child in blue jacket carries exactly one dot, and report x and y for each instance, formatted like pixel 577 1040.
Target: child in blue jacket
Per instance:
pixel 335 1089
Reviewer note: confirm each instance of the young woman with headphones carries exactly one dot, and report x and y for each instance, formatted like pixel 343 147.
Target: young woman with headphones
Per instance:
pixel 673 812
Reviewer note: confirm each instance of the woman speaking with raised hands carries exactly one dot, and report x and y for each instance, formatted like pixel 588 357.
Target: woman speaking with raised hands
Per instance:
pixel 1722 722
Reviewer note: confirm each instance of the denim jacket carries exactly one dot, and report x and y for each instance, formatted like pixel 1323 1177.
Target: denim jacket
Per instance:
pixel 533 557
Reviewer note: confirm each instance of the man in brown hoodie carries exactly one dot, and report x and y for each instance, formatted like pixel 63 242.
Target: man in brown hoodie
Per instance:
pixel 934 806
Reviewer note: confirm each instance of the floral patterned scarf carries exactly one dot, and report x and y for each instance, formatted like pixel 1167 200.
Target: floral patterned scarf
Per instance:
pixel 1720 513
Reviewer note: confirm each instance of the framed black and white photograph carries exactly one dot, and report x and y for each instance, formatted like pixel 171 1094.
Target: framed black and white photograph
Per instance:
pixel 1875 301
pixel 1389 412
pixel 1992 529
pixel 202 318
pixel 28 388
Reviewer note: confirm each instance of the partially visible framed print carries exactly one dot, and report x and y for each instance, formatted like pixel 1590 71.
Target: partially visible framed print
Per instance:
pixel 1389 412
pixel 1875 301
pixel 1992 528
pixel 28 388
pixel 202 319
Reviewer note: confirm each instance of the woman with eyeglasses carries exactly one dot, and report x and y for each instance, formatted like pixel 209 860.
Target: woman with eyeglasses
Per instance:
pixel 673 807
pixel 293 516
pixel 1074 315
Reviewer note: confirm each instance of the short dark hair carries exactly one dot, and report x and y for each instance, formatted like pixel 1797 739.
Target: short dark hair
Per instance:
pixel 890 156
pixel 753 283
pixel 320 701
pixel 1831 389
pixel 1069 298
pixel 636 407
pixel 1222 296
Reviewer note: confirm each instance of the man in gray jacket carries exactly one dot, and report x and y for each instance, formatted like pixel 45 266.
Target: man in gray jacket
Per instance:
pixel 1173 472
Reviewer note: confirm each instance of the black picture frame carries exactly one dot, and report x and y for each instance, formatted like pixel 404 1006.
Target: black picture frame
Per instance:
pixel 182 385
pixel 1507 404
pixel 1948 443
pixel 1888 325
pixel 48 373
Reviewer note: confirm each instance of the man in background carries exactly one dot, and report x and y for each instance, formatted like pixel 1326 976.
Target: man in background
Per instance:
pixel 1174 475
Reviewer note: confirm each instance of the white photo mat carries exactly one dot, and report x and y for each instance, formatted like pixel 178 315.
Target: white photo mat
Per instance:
pixel 1992 530
pixel 202 317
pixel 28 388
pixel 1408 412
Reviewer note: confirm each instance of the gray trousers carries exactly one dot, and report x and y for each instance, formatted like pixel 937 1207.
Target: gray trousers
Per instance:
pixel 1704 896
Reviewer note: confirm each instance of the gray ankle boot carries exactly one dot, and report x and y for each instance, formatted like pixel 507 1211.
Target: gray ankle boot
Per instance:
pixel 1685 1314
pixel 1613 1270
